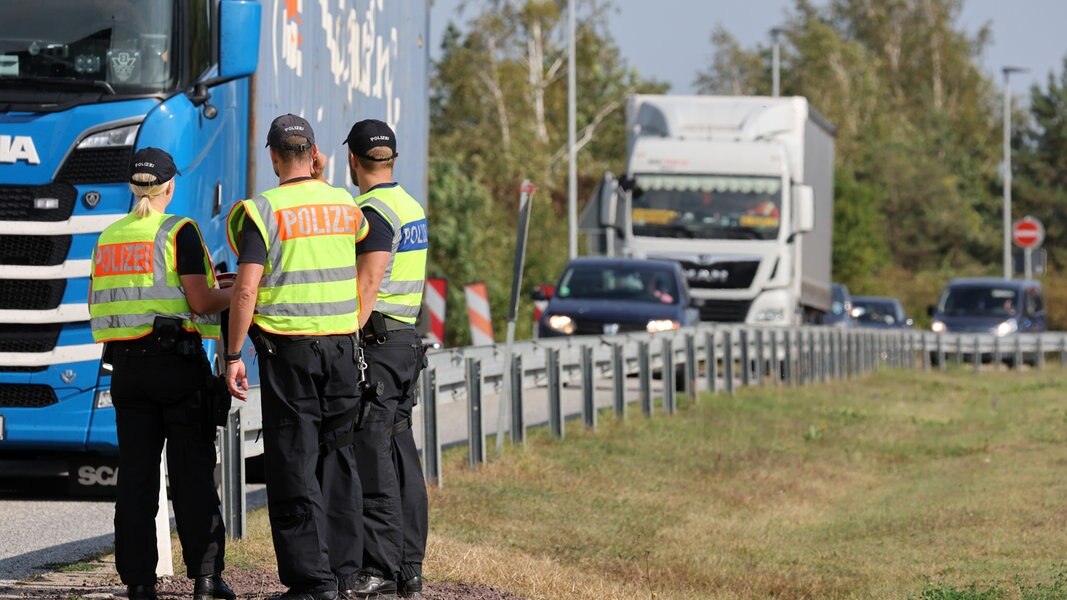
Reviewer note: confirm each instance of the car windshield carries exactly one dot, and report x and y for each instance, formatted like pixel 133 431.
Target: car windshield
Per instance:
pixel 979 301
pixel 707 206
pixel 120 46
pixel 635 284
pixel 875 311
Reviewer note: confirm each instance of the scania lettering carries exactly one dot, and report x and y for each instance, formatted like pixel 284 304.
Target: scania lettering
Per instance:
pixel 739 190
pixel 85 84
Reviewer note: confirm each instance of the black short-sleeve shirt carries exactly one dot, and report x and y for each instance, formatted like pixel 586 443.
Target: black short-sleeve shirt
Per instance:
pixel 190 251
pixel 380 238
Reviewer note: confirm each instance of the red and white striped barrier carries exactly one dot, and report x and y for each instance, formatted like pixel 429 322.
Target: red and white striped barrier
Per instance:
pixel 478 314
pixel 436 292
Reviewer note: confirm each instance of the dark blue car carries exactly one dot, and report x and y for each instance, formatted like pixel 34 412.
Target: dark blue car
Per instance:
pixel 598 296
pixel 998 306
pixel 879 312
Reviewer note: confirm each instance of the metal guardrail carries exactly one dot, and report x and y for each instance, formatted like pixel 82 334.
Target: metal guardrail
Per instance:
pixel 708 357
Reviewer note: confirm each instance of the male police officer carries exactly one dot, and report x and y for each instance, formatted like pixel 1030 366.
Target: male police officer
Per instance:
pixel 392 273
pixel 296 287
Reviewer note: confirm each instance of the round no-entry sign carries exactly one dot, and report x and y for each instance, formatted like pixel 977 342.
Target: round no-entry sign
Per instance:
pixel 1028 233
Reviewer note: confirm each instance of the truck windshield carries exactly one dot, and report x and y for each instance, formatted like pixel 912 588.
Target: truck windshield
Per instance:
pixel 115 46
pixel 634 284
pixel 979 301
pixel 707 206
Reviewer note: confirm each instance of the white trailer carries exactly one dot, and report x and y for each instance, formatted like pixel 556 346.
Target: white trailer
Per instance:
pixel 738 189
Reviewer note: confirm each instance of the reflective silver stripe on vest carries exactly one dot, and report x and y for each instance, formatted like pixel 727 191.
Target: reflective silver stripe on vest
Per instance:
pixel 121 321
pixel 397 310
pixel 310 309
pixel 274 247
pixel 403 287
pixel 159 258
pixel 317 276
pixel 137 293
pixel 387 277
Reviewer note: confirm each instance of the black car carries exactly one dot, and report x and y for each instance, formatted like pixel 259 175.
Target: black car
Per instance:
pixel 879 312
pixel 597 296
pixel 998 306
pixel 840 314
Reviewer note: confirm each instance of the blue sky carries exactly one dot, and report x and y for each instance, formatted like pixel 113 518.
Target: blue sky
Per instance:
pixel 670 39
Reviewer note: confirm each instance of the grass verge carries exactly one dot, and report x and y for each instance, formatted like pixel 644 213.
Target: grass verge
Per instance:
pixel 932 486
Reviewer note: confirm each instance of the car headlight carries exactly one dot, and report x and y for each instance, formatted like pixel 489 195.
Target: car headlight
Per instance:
pixel 1007 327
pixel 771 315
pixel 112 138
pixel 938 327
pixel 103 399
pixel 661 325
pixel 561 323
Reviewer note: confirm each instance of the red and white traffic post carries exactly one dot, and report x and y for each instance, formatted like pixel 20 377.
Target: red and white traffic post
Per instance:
pixel 1028 233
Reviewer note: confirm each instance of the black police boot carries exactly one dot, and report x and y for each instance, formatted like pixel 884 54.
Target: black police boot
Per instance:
pixel 372 586
pixel 411 588
pixel 141 592
pixel 291 595
pixel 211 587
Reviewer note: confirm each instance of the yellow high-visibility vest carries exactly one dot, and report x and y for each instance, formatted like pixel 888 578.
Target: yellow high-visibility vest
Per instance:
pixel 135 279
pixel 309 280
pixel 400 294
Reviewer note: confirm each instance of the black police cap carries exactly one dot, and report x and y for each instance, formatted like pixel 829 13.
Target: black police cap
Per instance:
pixel 371 133
pixel 155 162
pixel 288 125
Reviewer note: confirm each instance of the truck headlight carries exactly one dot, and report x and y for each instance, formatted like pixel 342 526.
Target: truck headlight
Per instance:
pixel 111 138
pixel 561 323
pixel 103 399
pixel 771 315
pixel 938 327
pixel 661 325
pixel 1006 328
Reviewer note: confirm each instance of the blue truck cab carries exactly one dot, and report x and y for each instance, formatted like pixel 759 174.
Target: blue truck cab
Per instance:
pixel 85 84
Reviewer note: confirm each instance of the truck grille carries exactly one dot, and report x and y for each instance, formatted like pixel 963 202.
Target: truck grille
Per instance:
pixel 29 338
pixel 34 250
pixel 18 203
pixel 19 395
pixel 31 294
pixel 725 311
pixel 720 276
pixel 107 165
pixel 587 327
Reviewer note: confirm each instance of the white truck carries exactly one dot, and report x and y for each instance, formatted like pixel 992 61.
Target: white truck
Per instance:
pixel 739 190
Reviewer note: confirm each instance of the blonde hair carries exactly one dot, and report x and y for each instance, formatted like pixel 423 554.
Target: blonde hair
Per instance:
pixel 144 193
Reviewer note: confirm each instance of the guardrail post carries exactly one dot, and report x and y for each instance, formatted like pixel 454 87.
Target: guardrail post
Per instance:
pixel 789 372
pixel 925 352
pixel 555 391
pixel 813 358
pixel 711 371
pixel 476 436
pixel 775 364
pixel 232 449
pixel 588 390
pixel 1040 362
pixel 744 358
pixel 518 422
pixel 824 357
pixel 691 366
pixel 1063 351
pixel 728 360
pixel 801 362
pixel 996 353
pixel 669 377
pixel 758 363
pixel 1018 352
pixel 644 366
pixel 941 352
pixel 618 375
pixel 431 448
pixel 977 357
pixel 959 350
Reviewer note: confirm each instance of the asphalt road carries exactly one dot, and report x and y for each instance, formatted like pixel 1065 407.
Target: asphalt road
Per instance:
pixel 42 525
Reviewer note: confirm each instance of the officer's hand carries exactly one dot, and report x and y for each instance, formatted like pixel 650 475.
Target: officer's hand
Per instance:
pixel 236 379
pixel 318 167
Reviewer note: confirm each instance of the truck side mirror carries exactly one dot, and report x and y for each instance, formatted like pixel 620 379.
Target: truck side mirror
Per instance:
pixel 238 39
pixel 607 198
pixel 805 207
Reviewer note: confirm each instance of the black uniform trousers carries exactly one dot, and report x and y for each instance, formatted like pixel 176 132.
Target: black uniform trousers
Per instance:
pixel 157 396
pixel 395 511
pixel 310 399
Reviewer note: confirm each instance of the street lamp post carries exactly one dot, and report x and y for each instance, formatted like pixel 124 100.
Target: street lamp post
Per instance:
pixel 775 61
pixel 572 162
pixel 1007 168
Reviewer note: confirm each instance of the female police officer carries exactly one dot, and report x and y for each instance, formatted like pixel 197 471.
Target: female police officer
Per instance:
pixel 152 289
